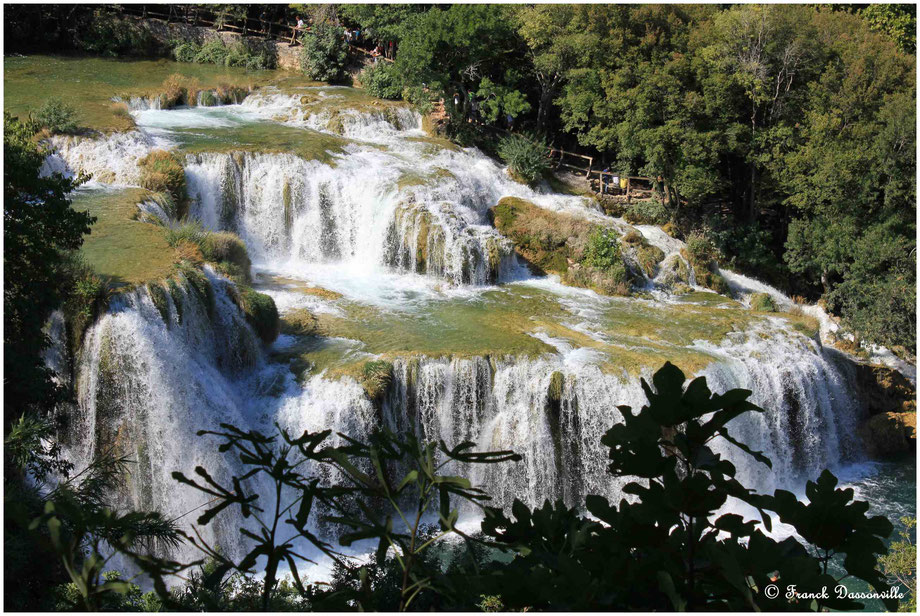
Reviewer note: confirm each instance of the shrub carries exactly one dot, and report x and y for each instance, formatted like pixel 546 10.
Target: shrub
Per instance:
pixel 162 171
pixel 261 313
pixel 212 52
pixel 603 250
pixel 57 116
pixel 382 81
pixel 228 250
pixel 324 54
pixel 376 377
pixel 526 159
pixel 186 51
pixel 701 250
pixel 191 232
pixel 762 302
pixel 646 212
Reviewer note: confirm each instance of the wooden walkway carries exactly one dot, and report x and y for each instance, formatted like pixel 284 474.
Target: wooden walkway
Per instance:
pixel 196 16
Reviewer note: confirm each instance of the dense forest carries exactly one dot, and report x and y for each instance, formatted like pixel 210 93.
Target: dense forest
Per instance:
pixel 784 134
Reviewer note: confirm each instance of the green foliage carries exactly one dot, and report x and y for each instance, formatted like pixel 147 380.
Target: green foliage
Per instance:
pixel 702 250
pixel 108 35
pixel 667 549
pixel 57 116
pixel 185 51
pixel 212 52
pixel 390 22
pixel 240 55
pixel 451 50
pixel 899 21
pixel 526 159
pixel 762 302
pixel 382 80
pixel 192 232
pixel 646 212
pixel 324 54
pixel 39 230
pixel 498 100
pixel 261 313
pixel 603 250
pixel 367 503
pixel 900 564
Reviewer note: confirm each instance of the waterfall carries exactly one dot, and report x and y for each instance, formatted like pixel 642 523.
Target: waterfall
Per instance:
pixel 293 212
pixel 387 206
pixel 110 159
pixel 555 414
pixel 147 381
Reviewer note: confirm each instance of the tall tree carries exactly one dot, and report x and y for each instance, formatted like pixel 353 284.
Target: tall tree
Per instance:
pixel 39 228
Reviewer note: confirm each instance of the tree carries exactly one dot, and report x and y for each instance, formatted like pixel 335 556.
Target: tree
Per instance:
pixel 452 50
pixel 324 54
pixel 899 21
pixel 554 42
pixel 900 564
pixel 40 228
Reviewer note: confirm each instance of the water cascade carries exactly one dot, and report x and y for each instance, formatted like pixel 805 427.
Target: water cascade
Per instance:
pixel 387 201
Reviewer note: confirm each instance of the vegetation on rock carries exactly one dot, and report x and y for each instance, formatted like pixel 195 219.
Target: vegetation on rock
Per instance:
pixel 261 313
pixel 526 159
pixel 762 302
pixel 162 171
pixel 376 377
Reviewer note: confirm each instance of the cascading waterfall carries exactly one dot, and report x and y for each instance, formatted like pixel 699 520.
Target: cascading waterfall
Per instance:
pixel 110 159
pixel 293 212
pixel 146 384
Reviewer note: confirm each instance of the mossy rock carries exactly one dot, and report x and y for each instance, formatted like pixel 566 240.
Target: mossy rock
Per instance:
pixel 200 285
pixel 300 322
pixel 162 171
pixel 649 257
pixel 176 293
pixel 546 240
pixel 671 229
pixel 376 377
pixel 556 385
pixel 762 302
pixel 229 251
pixel 714 281
pixel 159 299
pixel 261 313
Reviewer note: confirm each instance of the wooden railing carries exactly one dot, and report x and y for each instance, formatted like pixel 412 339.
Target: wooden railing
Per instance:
pixel 247 26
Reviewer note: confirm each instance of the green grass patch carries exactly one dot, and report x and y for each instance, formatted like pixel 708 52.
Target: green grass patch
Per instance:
pixel 121 250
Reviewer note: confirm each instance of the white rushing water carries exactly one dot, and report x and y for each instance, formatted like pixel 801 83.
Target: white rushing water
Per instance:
pixel 390 222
